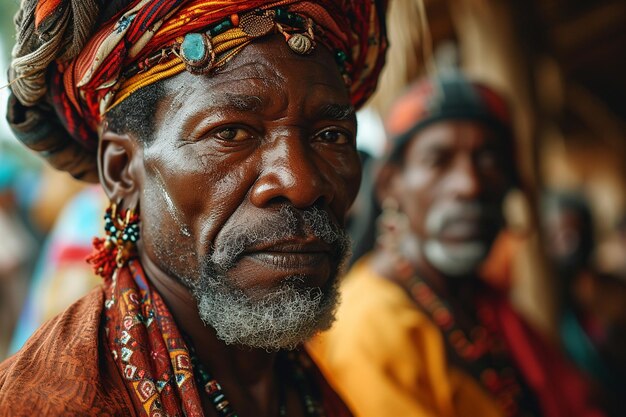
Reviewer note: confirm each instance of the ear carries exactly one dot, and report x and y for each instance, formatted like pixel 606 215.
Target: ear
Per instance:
pixel 120 159
pixel 388 182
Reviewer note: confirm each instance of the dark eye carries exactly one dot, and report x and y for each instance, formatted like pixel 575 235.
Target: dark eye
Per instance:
pixel 487 160
pixel 334 136
pixel 434 159
pixel 232 134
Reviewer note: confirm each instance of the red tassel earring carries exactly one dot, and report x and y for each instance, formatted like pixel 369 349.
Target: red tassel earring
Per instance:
pixel 119 244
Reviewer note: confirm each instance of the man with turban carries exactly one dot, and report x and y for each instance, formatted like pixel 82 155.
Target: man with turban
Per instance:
pixel 419 332
pixel 223 133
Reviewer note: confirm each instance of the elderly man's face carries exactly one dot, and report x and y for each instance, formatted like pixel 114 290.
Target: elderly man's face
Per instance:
pixel 245 189
pixel 451 185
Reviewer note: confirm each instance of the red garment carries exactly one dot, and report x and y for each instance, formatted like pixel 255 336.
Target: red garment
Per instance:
pixel 561 390
pixel 113 361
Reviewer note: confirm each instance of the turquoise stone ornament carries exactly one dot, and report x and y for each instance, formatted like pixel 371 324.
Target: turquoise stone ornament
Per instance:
pixel 197 53
pixel 193 48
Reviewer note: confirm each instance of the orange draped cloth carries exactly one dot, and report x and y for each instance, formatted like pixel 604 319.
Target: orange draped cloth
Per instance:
pixel 386 357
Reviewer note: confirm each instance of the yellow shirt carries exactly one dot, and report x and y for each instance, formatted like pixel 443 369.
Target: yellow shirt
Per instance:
pixel 386 358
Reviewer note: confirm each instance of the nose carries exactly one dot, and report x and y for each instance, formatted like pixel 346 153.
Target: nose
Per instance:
pixel 465 181
pixel 291 175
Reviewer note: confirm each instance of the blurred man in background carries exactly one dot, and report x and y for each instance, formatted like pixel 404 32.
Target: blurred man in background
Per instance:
pixel 419 333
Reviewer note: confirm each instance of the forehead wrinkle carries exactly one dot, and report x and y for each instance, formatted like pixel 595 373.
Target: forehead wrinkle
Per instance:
pixel 236 71
pixel 218 101
pixel 228 77
pixel 262 68
pixel 252 83
pixel 249 87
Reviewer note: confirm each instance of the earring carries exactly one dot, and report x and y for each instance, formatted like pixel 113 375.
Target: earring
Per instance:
pixel 119 245
pixel 391 224
pixel 392 234
pixel 127 238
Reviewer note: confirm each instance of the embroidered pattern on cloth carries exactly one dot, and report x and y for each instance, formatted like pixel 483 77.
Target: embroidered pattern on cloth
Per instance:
pixel 148 347
pixel 154 359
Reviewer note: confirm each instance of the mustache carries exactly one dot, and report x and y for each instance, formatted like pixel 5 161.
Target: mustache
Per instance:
pixel 284 224
pixel 444 215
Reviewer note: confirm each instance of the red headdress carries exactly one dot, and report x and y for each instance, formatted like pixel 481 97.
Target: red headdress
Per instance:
pixel 69 68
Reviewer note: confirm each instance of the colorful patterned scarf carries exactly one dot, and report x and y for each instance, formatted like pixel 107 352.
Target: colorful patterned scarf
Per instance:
pixel 148 347
pixel 61 59
pixel 152 354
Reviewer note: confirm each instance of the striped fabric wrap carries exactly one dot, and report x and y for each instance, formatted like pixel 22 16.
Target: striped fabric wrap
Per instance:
pixel 71 59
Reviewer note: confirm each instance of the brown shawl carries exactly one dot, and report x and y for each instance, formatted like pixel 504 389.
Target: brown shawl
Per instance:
pixel 64 370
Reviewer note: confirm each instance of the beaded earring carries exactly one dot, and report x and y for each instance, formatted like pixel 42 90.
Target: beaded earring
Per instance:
pixel 392 236
pixel 119 244
pixel 391 225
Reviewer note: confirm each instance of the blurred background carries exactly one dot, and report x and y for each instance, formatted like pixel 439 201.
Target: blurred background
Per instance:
pixel 562 65
pixel 46 226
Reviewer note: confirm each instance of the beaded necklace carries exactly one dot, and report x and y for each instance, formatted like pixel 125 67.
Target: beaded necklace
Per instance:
pixel 483 352
pixel 223 407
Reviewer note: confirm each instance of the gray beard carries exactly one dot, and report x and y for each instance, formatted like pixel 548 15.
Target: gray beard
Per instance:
pixel 455 260
pixel 461 259
pixel 284 317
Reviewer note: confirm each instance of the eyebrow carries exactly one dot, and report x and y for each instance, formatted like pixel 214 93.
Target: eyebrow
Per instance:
pixel 251 103
pixel 336 112
pixel 240 102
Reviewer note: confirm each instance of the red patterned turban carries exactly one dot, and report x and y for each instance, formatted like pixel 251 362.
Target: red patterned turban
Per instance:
pixel 447 97
pixel 75 59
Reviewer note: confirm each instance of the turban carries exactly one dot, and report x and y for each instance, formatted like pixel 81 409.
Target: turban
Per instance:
pixel 449 96
pixel 75 59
